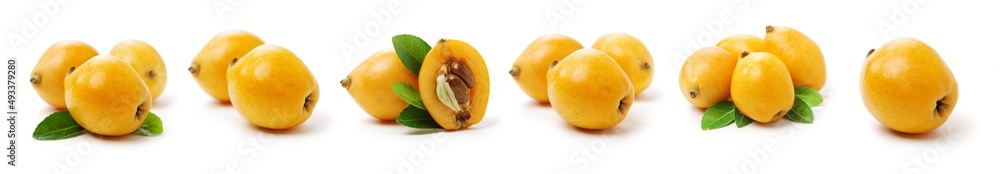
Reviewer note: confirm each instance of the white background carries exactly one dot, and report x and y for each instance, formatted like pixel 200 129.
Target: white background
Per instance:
pixel 660 135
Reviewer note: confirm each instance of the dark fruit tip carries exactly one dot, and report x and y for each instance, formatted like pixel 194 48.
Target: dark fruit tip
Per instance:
pixel 346 82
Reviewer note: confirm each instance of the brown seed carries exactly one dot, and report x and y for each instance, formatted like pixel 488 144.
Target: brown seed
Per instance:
pixel 463 71
pixel 462 116
pixel 458 87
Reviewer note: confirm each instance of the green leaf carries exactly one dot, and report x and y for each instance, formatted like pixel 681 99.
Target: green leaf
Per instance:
pixel 719 115
pixel 741 120
pixel 57 126
pixel 408 94
pixel 151 127
pixel 800 113
pixel 809 95
pixel 417 118
pixel 411 50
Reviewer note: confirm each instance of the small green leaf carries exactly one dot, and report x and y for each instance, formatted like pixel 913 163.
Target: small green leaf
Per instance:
pixel 719 115
pixel 408 94
pixel 151 127
pixel 417 118
pixel 411 50
pixel 57 126
pixel 800 113
pixel 741 120
pixel 809 95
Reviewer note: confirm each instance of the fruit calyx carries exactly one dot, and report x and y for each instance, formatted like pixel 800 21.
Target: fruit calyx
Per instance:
pixel 623 105
pixel 36 79
pixel 940 107
pixel 514 71
pixel 194 68
pixel 235 59
pixel 309 102
pixel 694 92
pixel 140 112
pixel 346 83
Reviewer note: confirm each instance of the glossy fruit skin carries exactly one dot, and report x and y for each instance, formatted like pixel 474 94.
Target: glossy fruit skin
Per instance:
pixel 210 65
pixel 146 61
pixel 631 55
pixel 762 87
pixel 369 84
pixel 589 91
pixel 530 68
pixel 48 75
pixel 800 54
pixel 706 76
pixel 444 50
pixel 272 88
pixel 107 97
pixel 907 87
pixel 737 44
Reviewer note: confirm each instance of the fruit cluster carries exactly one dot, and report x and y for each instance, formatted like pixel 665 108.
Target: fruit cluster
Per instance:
pixel 453 84
pixel 760 76
pixel 267 84
pixel 589 88
pixel 105 94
